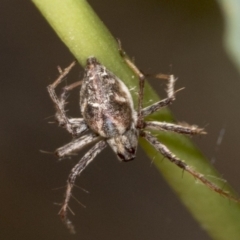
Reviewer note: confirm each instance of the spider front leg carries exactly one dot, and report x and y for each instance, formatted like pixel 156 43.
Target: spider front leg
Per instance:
pixel 181 164
pixel 162 103
pixel 79 167
pixel 155 107
pixel 141 78
pixel 75 126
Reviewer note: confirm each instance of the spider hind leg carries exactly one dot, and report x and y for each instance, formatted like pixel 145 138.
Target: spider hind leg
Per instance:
pixel 181 164
pixel 77 169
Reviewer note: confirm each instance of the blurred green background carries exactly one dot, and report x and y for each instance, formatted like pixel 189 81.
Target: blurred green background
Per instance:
pixel 126 201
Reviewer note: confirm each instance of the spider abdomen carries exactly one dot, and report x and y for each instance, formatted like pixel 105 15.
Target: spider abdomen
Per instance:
pixel 105 101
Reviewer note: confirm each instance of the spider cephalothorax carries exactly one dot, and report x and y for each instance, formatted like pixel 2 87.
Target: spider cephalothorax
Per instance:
pixel 109 118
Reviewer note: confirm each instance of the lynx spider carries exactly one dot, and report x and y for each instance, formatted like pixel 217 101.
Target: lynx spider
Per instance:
pixel 108 114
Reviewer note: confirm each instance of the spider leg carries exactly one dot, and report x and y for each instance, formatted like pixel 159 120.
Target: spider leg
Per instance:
pixel 78 168
pixel 141 78
pixel 78 126
pixel 155 107
pixel 181 164
pixel 163 103
pixel 76 144
pixel 182 129
pixel 73 126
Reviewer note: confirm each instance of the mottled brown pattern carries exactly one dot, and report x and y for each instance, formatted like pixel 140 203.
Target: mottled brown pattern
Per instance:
pixel 100 107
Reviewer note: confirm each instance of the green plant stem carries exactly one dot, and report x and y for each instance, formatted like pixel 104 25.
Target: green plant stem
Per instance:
pixel 85 35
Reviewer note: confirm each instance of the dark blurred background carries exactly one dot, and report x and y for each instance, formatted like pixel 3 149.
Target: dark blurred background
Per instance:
pixel 126 201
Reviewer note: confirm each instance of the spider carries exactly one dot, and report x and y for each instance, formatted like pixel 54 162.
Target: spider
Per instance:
pixel 109 118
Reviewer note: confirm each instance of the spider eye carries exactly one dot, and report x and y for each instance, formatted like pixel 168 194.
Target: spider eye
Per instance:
pixel 125 158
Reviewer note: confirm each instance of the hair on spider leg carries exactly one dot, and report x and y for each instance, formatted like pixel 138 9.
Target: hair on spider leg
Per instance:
pixel 72 212
pixel 132 89
pixel 183 173
pixel 58 188
pixel 71 227
pixel 52 116
pixel 81 188
pixel 81 204
pixel 66 157
pixel 220 179
pixel 218 144
pixel 46 152
pixel 152 160
pixel 54 153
